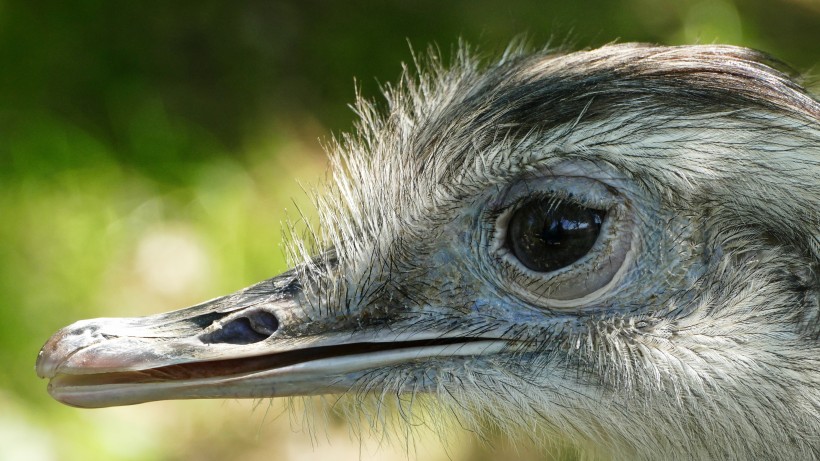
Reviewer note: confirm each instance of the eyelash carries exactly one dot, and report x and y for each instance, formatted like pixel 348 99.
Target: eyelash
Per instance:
pixel 557 197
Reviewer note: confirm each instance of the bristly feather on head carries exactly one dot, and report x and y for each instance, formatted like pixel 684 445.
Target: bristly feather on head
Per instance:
pixel 709 350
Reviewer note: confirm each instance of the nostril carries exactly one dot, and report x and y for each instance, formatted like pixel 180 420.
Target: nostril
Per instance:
pixel 251 328
pixel 263 322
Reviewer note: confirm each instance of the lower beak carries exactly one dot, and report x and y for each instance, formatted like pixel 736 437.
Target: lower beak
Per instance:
pixel 258 342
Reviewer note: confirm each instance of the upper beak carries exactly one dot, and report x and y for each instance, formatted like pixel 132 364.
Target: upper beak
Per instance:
pixel 258 342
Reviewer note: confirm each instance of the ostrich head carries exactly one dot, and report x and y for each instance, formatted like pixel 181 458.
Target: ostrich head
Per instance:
pixel 619 247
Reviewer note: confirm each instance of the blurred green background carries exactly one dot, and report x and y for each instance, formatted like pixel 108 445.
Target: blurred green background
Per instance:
pixel 149 150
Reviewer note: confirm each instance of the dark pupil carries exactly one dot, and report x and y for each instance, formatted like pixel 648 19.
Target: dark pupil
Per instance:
pixel 545 235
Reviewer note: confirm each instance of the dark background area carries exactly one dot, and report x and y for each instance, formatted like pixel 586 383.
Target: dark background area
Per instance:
pixel 228 68
pixel 147 150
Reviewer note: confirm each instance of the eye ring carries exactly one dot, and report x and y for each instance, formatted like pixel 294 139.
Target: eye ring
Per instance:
pixel 581 282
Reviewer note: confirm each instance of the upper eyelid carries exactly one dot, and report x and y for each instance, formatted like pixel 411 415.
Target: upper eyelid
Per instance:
pixel 511 198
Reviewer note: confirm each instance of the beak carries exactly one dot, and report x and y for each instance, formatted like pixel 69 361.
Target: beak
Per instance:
pixel 258 342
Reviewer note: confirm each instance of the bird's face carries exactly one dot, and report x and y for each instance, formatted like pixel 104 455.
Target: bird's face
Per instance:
pixel 547 239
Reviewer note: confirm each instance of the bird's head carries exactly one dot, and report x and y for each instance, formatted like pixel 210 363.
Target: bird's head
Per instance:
pixel 620 246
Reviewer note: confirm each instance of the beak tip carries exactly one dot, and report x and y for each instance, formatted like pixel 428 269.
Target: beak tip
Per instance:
pixel 65 343
pixel 47 359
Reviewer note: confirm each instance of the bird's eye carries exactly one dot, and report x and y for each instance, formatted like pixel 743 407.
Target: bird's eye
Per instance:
pixel 561 241
pixel 547 234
